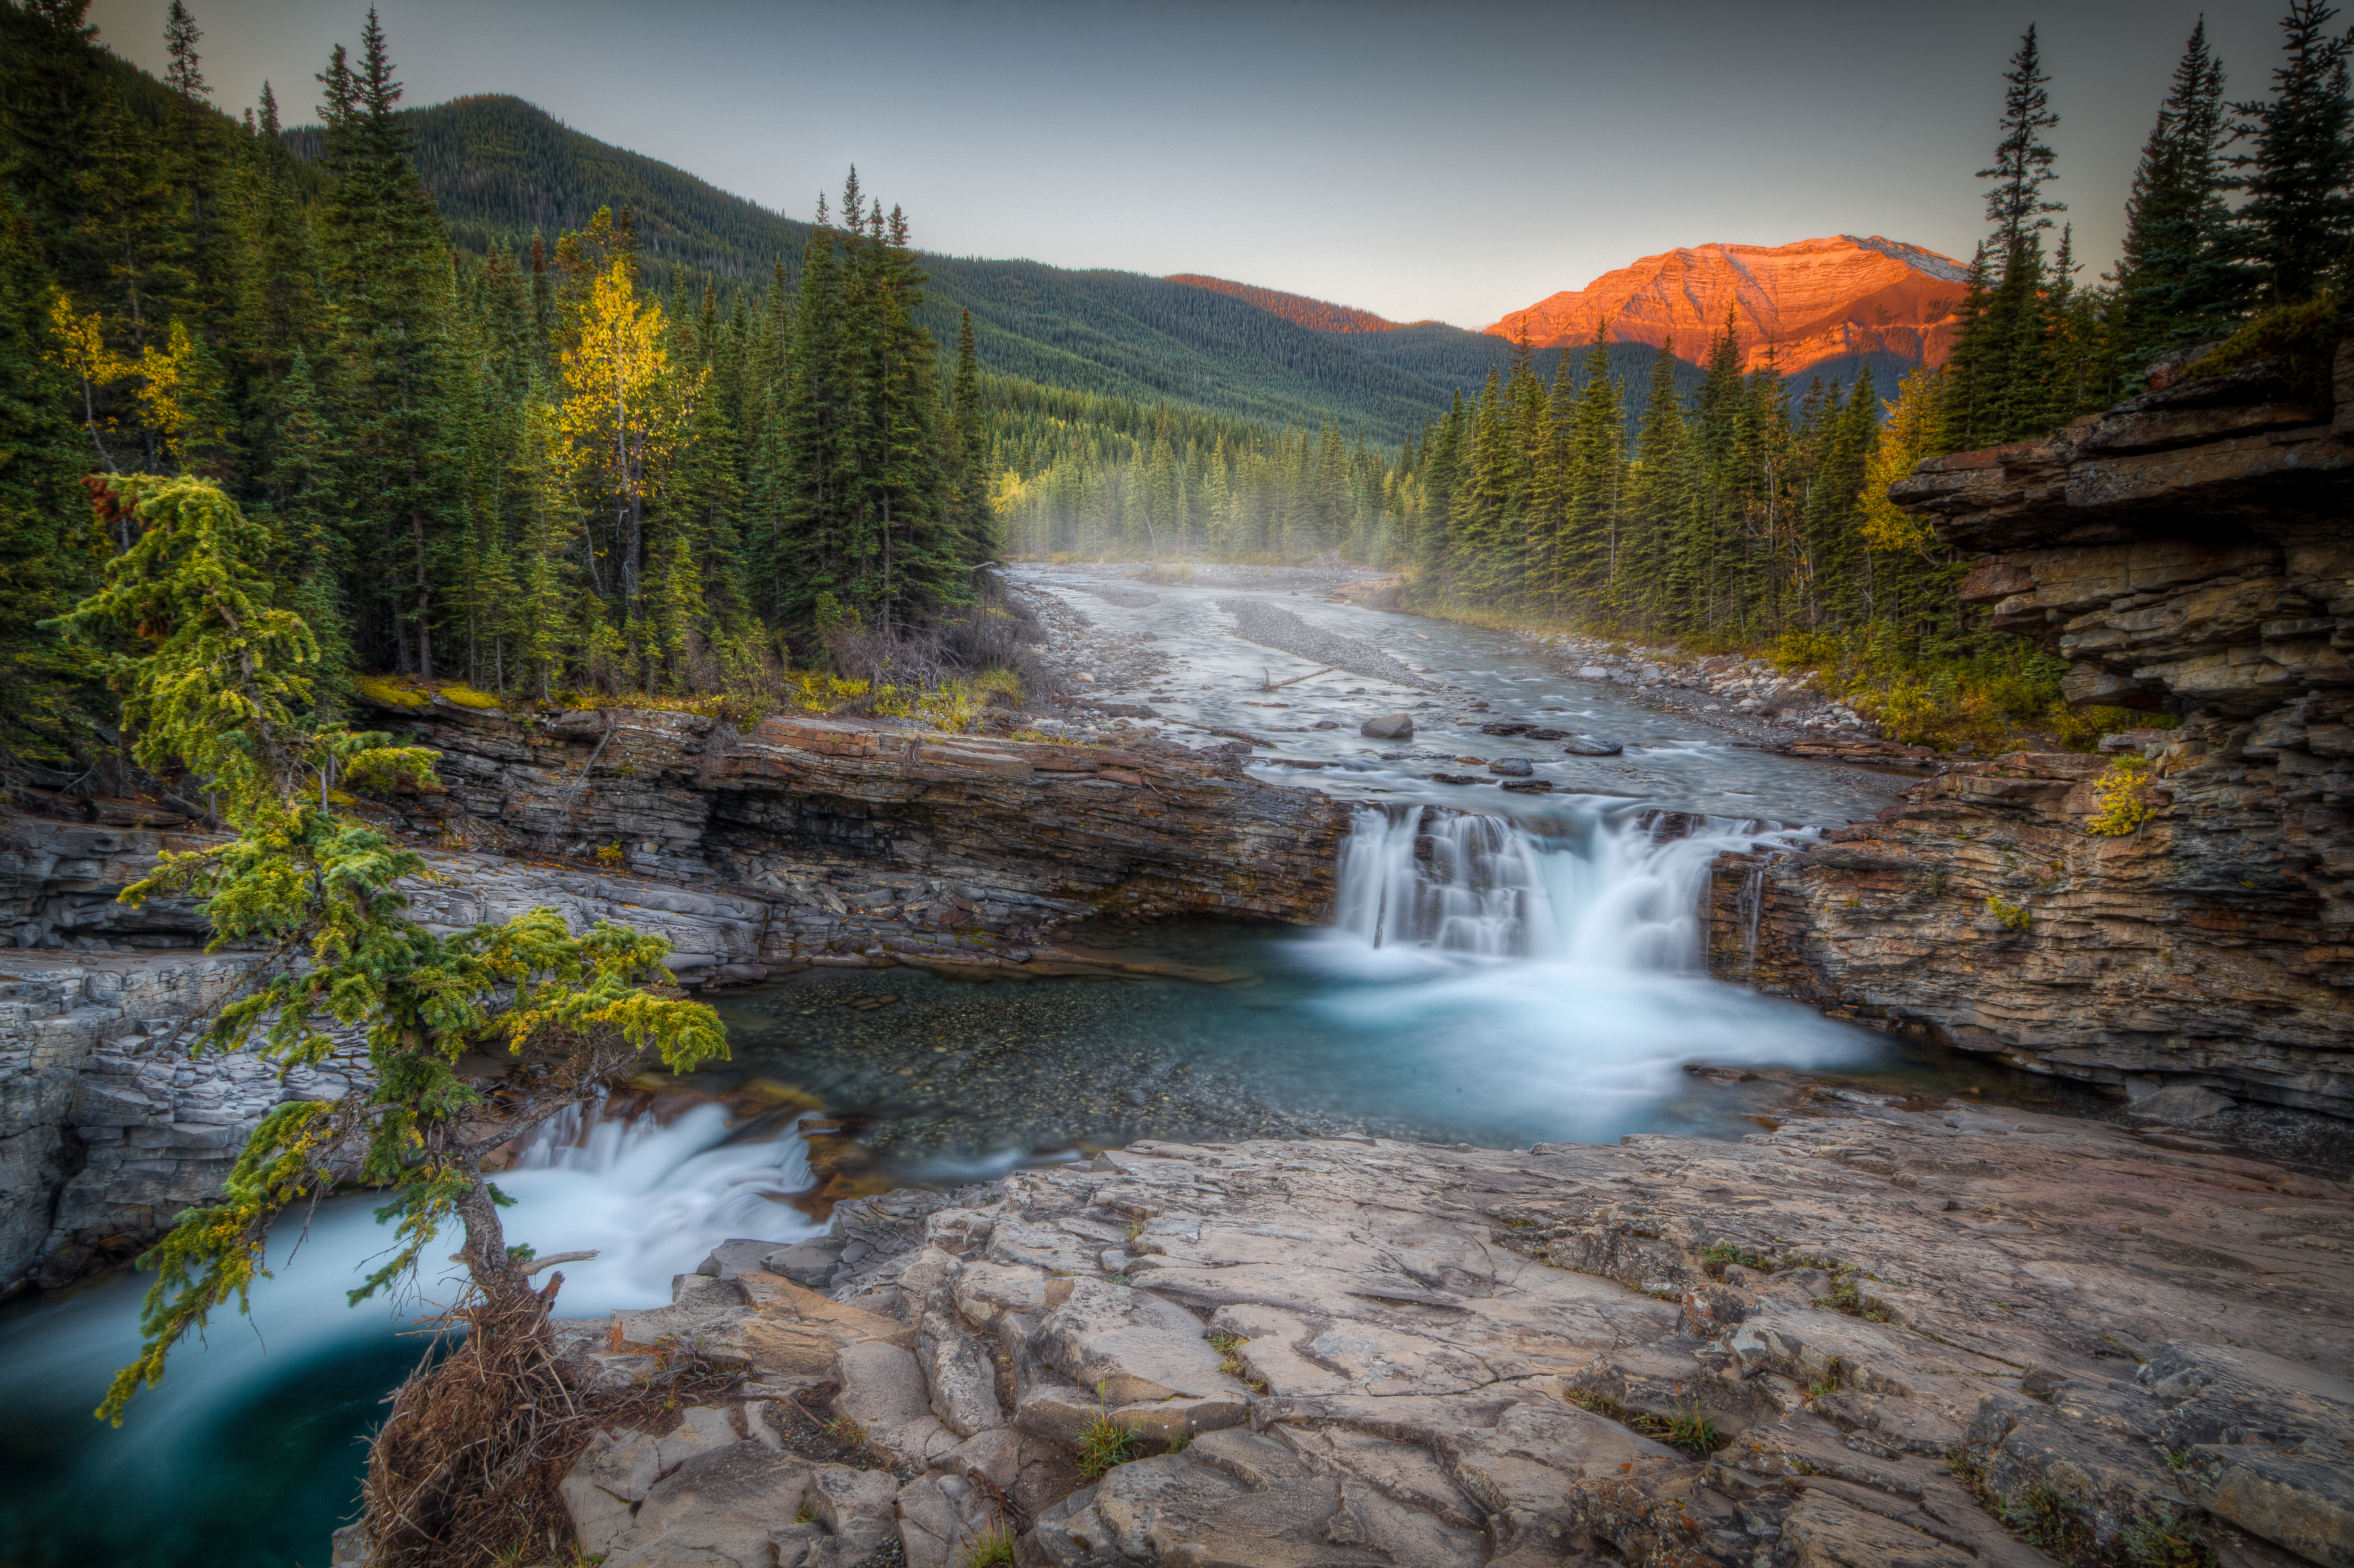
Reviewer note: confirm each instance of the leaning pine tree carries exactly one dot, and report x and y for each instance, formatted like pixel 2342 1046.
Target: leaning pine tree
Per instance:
pixel 463 1471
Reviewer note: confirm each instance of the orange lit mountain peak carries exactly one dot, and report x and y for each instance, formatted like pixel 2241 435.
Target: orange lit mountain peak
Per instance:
pixel 1814 300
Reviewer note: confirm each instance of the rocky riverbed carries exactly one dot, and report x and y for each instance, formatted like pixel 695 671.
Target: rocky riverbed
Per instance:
pixel 1878 1331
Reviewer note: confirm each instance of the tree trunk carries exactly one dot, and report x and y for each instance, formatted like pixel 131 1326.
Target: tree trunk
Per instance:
pixel 424 600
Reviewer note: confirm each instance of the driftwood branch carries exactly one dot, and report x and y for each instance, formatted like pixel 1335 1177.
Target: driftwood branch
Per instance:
pixel 1268 683
pixel 552 1259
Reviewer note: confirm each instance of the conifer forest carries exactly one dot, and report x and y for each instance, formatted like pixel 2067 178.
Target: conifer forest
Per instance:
pixel 540 462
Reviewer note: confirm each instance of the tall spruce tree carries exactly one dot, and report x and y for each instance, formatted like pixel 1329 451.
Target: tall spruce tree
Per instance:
pixel 2176 284
pixel 389 440
pixel 2010 386
pixel 2295 229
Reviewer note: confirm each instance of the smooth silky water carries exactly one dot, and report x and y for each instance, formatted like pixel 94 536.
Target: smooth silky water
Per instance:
pixel 1529 975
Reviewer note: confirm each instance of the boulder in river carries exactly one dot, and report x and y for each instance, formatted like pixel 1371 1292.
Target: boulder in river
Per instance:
pixel 1588 745
pixel 1512 767
pixel 1388 727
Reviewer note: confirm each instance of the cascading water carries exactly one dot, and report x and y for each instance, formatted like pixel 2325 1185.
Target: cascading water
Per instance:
pixel 1487 980
pixel 1547 970
pixel 1620 889
pixel 277 1403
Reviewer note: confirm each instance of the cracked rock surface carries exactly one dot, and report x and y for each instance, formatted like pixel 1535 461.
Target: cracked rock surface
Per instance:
pixel 1885 1332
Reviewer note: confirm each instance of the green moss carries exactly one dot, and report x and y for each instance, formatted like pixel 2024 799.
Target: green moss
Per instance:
pixel 468 697
pixel 2012 915
pixel 380 689
pixel 2302 336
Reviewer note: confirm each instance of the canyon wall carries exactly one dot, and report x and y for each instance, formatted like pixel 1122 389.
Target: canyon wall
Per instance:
pixel 2189 552
pixel 800 841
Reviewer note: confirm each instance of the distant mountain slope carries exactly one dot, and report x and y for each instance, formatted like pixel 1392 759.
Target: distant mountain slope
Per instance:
pixel 1449 357
pixel 1321 315
pixel 500 169
pixel 1819 306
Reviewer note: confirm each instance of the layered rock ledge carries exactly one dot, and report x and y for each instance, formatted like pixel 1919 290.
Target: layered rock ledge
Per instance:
pixel 802 841
pixel 1885 1332
pixel 2189 551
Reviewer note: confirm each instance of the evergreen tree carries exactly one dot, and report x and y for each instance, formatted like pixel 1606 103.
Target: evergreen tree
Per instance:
pixel 2175 285
pixel 2008 385
pixel 393 453
pixel 2296 227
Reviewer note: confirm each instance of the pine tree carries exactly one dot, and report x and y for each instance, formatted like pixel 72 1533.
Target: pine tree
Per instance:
pixel 196 163
pixel 391 449
pixel 2175 285
pixel 2009 340
pixel 48 697
pixel 2296 227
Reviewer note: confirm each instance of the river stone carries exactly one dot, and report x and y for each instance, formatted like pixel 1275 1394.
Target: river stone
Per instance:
pixel 703 1428
pixel 1128 1345
pixel 2303 1503
pixel 1236 1499
pixel 962 1377
pixel 853 1508
pixel 1388 727
pixel 1588 746
pixel 605 1486
pixel 1512 767
pixel 718 1510
pixel 883 1392
pixel 940 1516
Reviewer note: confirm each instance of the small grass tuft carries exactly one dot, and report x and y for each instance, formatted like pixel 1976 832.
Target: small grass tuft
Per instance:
pixel 2013 917
pixel 1103 1445
pixel 992 1548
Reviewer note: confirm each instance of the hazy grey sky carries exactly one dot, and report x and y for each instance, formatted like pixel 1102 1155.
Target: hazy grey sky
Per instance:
pixel 1455 161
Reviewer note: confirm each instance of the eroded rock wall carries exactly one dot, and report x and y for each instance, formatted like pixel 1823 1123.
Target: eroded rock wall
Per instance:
pixel 2192 552
pixel 859 838
pixel 805 841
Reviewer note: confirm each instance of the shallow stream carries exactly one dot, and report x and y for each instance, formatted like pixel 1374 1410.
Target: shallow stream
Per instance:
pixel 1528 975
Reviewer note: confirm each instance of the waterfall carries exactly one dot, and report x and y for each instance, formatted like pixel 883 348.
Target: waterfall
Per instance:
pixel 1600 887
pixel 1547 970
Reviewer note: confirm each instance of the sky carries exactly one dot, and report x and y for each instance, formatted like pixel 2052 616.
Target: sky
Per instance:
pixel 1452 161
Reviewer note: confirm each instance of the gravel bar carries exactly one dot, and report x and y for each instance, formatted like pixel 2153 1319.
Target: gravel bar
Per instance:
pixel 1257 621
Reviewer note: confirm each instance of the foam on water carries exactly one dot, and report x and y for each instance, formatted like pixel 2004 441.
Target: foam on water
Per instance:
pixel 272 1404
pixel 1555 963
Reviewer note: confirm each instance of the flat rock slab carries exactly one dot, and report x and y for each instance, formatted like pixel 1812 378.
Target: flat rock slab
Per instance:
pixel 1867 1337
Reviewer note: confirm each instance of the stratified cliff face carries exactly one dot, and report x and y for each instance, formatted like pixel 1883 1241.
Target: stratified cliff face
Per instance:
pixel 1815 301
pixel 804 841
pixel 2191 551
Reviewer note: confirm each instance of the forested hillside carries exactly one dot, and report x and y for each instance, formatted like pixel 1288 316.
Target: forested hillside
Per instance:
pixel 1321 314
pixel 530 473
pixel 503 172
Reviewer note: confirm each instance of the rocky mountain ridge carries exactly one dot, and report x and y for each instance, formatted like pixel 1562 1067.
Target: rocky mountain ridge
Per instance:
pixel 1805 304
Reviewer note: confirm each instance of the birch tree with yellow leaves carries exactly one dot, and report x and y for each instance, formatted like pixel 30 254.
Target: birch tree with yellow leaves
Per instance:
pixel 623 418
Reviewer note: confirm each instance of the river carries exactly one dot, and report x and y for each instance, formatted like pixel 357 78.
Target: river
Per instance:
pixel 1531 973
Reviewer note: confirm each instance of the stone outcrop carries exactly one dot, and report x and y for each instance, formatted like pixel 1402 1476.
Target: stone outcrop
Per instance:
pixel 1804 304
pixel 2189 552
pixel 1881 1332
pixel 802 841
pixel 863 839
pixel 98 1103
